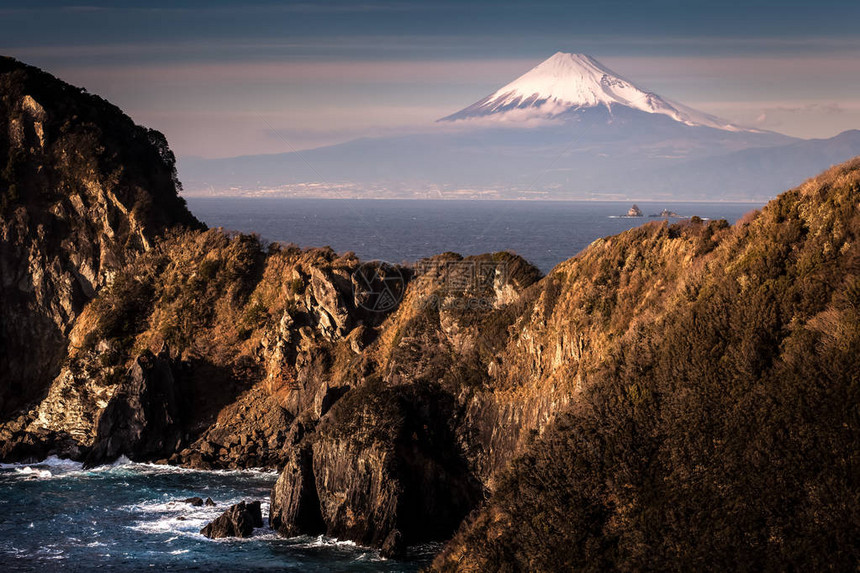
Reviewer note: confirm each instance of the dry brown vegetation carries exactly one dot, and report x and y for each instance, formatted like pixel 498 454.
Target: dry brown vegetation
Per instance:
pixel 719 434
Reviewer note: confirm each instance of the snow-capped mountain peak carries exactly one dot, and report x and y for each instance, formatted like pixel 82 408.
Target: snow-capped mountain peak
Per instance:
pixel 570 82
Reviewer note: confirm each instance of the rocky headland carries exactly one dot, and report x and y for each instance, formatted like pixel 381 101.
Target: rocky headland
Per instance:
pixel 680 395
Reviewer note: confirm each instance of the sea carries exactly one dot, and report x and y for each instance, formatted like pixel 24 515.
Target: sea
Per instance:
pixel 57 516
pixel 403 231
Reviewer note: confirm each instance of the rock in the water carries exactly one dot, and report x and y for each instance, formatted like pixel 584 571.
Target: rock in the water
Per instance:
pixel 209 502
pixel 382 469
pixel 195 501
pixel 142 418
pixel 295 504
pixel 238 521
pixel 393 545
pixel 255 509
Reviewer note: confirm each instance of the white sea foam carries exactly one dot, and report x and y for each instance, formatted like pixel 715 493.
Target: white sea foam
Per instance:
pixel 167 525
pixel 178 518
pixel 179 507
pixel 259 534
pixel 55 462
pixel 52 462
pixel 143 467
pixel 366 555
pixel 323 541
pixel 33 472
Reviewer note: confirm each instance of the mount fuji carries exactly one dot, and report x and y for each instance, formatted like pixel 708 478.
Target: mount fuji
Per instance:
pixel 567 84
pixel 569 128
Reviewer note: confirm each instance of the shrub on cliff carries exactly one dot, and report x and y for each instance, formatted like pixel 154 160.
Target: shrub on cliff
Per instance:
pixel 724 437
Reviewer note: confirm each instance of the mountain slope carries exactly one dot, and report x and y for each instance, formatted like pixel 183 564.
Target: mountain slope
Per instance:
pixel 596 154
pixel 756 170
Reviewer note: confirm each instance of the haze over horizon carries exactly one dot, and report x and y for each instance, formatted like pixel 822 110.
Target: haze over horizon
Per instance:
pixel 312 74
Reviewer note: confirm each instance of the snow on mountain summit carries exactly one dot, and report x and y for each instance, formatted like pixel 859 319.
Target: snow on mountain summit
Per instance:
pixel 571 82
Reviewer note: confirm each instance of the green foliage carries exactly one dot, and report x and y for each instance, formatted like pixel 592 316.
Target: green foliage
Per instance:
pixel 255 313
pixel 208 269
pixel 190 283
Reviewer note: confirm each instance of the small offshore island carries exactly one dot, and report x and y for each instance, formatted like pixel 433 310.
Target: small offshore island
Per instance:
pixel 680 396
pixel 635 212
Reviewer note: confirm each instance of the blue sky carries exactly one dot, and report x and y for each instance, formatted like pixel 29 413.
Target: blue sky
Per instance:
pixel 224 78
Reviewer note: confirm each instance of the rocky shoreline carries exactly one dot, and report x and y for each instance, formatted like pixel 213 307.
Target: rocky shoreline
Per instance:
pixel 465 397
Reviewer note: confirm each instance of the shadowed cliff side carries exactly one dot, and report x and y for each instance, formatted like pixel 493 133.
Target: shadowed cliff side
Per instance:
pixel 82 191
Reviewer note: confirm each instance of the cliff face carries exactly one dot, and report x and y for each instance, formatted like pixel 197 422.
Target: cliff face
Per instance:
pixel 303 359
pixel 392 422
pixel 82 191
pixel 250 339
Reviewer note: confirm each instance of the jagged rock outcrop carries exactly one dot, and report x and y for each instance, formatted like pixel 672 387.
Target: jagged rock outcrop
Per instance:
pixel 82 191
pixel 392 460
pixel 143 418
pixel 238 521
pixel 296 510
pixel 249 338
pixel 389 469
pixel 21 443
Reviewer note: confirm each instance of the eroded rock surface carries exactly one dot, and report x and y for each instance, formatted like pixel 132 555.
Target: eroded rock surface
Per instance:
pixel 142 419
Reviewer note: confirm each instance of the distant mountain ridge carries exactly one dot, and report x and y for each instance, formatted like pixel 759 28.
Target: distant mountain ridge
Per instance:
pixel 569 129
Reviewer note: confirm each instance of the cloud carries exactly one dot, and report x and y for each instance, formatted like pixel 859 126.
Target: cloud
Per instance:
pixel 769 115
pixel 805 119
pixel 828 108
pixel 803 69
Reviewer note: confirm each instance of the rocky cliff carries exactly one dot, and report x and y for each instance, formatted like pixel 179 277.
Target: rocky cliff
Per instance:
pixel 718 428
pixel 676 396
pixel 82 191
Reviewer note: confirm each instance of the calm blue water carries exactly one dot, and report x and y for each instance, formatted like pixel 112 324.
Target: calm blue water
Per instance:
pixel 545 233
pixel 55 516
